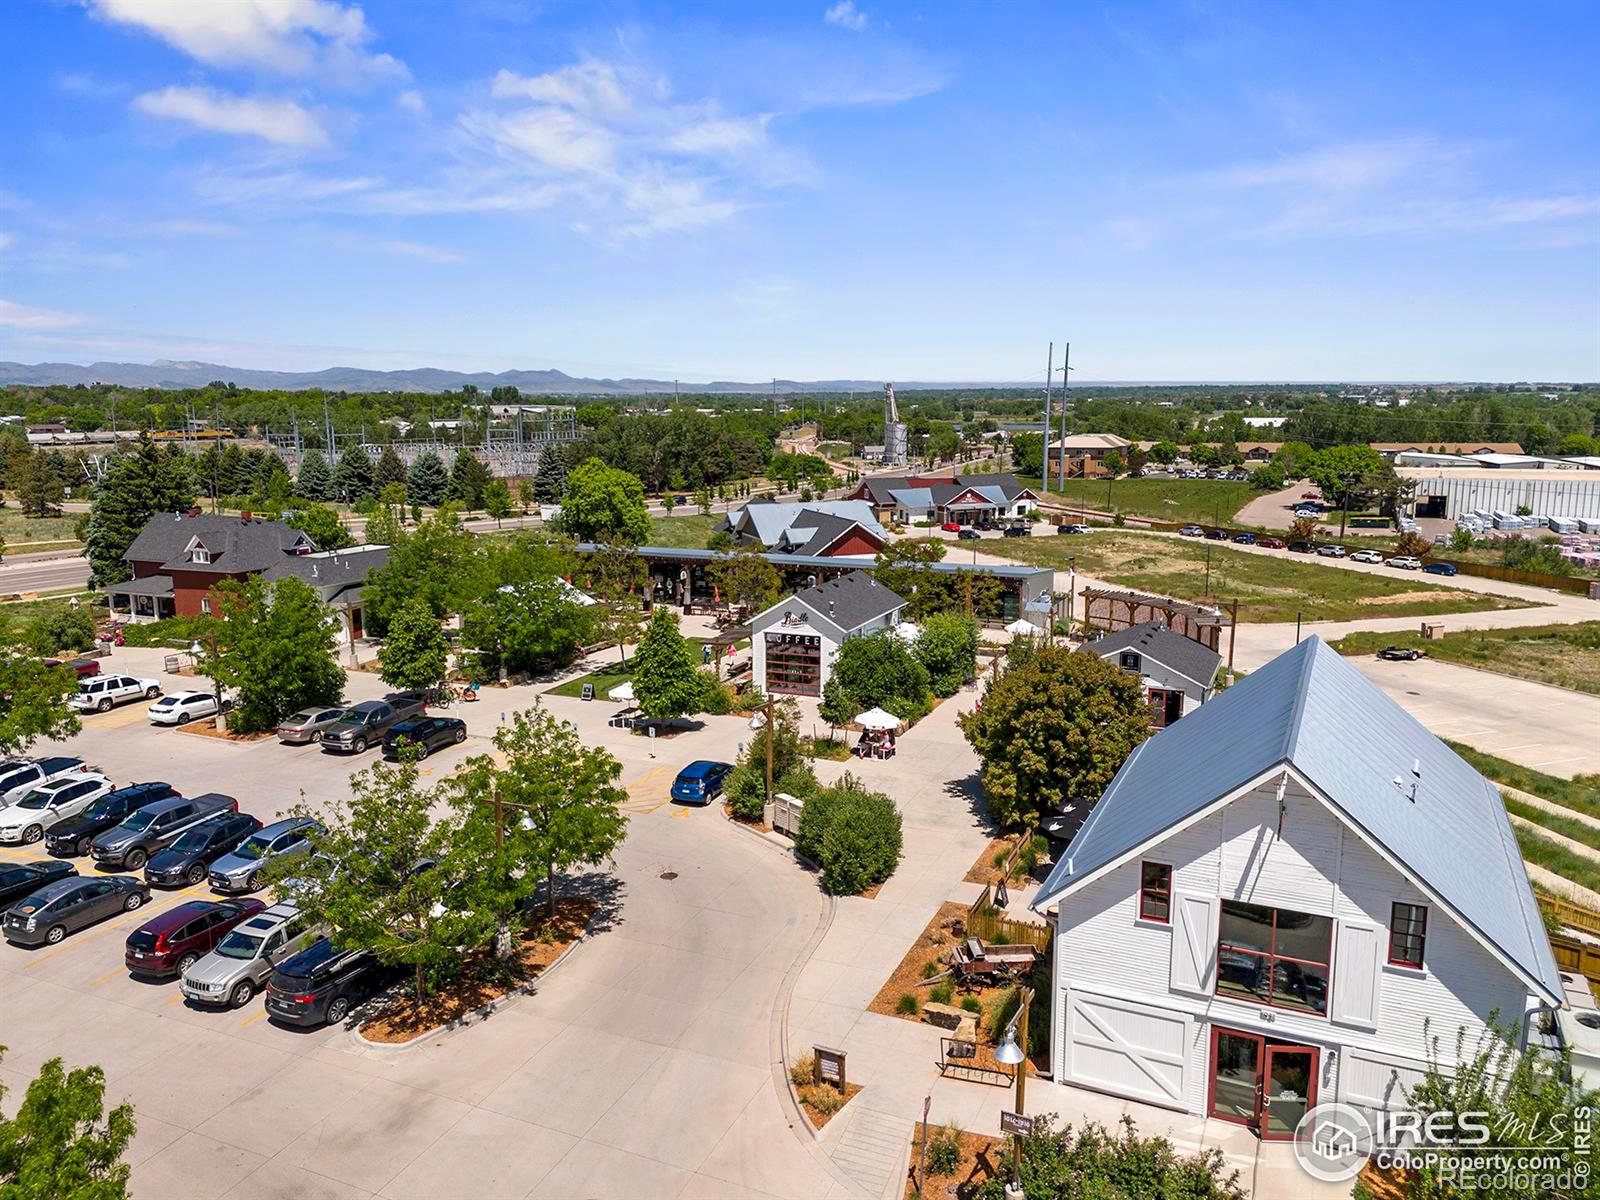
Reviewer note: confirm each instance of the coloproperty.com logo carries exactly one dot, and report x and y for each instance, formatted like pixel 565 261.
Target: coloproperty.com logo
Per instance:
pixel 1470 1151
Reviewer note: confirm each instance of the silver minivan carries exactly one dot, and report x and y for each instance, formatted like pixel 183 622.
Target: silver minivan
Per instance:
pixel 242 962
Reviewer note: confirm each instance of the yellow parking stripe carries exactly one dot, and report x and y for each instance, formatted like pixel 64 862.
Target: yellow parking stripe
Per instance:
pixel 254 1019
pixel 108 975
pixel 142 913
pixel 178 999
pixel 24 855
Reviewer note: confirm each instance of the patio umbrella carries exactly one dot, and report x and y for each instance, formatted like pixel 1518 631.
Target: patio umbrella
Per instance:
pixel 908 631
pixel 1022 628
pixel 623 691
pixel 876 718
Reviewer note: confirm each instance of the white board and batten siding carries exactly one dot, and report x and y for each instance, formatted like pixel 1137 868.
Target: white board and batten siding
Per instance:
pixel 1136 998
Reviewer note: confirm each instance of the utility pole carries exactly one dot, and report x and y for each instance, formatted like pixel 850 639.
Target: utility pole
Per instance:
pixel 1066 379
pixel 770 739
pixel 1044 452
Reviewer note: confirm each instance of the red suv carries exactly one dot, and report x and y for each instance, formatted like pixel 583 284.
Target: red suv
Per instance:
pixel 172 942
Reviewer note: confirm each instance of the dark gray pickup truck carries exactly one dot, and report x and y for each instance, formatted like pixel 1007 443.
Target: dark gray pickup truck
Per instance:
pixel 364 724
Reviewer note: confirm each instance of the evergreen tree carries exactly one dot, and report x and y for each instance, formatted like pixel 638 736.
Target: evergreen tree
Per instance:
pixel 550 483
pixel 391 469
pixel 352 478
pixel 427 479
pixel 316 477
pixel 233 475
pixel 39 489
pixel 133 488
pixel 468 478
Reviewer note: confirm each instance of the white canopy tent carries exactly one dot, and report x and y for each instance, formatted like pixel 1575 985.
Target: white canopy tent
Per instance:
pixel 908 631
pixel 623 691
pixel 1021 628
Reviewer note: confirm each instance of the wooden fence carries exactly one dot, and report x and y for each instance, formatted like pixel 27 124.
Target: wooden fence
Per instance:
pixel 1574 954
pixel 985 921
pixel 1562 583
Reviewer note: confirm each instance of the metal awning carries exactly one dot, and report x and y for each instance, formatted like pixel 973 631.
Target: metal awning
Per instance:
pixel 159 586
pixel 731 636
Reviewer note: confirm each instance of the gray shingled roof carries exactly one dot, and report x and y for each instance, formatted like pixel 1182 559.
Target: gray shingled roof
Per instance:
pixel 336 574
pixel 1155 641
pixel 850 601
pixel 1313 711
pixel 236 545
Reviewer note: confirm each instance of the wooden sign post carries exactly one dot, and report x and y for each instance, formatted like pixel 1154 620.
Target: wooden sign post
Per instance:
pixel 829 1067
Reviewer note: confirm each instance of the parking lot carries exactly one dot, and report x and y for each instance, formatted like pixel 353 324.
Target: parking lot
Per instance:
pixel 643 1065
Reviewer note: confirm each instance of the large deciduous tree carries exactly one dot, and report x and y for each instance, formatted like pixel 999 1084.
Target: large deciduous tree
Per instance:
pixel 875 672
pixel 33 703
pixel 666 670
pixel 746 579
pixel 61 1144
pixel 1054 729
pixel 438 562
pixel 415 652
pixel 276 649
pixel 560 808
pixel 526 627
pixel 947 648
pixel 322 525
pixel 1341 472
pixel 133 487
pixel 38 486
pixel 603 504
pixel 497 500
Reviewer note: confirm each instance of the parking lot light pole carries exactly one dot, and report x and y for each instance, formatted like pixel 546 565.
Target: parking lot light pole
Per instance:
pixel 1012 1052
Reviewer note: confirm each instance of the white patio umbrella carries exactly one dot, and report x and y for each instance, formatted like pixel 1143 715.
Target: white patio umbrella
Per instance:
pixel 1022 628
pixel 876 718
pixel 908 631
pixel 623 691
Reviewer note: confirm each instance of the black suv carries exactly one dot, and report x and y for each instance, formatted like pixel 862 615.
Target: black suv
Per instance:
pixel 131 844
pixel 73 836
pixel 323 983
pixel 428 733
pixel 189 859
pixel 24 879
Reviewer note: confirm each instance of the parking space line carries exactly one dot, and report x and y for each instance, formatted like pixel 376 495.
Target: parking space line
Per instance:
pixel 254 1019
pixel 178 999
pixel 24 855
pixel 108 975
pixel 143 912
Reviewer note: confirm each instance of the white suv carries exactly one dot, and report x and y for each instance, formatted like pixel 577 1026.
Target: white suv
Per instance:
pixel 1366 556
pixel 1405 562
pixel 98 695
pixel 49 803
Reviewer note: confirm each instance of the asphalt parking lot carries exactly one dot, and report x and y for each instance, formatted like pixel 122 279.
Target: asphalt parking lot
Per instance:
pixel 642 1066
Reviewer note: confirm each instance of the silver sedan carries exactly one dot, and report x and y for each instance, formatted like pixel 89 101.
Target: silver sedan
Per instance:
pixel 307 725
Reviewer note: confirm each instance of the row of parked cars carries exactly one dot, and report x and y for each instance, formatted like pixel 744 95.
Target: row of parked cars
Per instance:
pixel 1403 562
pixel 222 951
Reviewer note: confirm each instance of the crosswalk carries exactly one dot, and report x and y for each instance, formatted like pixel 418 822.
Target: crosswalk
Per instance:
pixel 649 792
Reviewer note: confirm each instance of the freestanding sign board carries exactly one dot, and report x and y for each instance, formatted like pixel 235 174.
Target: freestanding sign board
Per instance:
pixel 830 1066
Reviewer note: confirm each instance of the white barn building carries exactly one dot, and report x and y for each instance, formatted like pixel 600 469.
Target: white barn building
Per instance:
pixel 793 643
pixel 1269 903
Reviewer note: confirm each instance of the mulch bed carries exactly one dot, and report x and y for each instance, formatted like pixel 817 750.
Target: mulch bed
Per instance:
pixel 541 945
pixel 1387 1184
pixel 759 826
pixel 209 729
pixel 816 1116
pixel 982 1159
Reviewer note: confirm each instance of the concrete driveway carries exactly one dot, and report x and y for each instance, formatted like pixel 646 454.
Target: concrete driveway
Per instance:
pixel 647 1064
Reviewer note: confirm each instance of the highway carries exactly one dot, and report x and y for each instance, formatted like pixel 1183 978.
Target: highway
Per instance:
pixel 30 574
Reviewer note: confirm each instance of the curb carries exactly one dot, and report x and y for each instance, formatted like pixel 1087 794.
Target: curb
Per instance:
pixel 477 1014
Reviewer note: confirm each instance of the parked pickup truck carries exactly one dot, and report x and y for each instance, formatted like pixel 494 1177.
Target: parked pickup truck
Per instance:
pixel 365 724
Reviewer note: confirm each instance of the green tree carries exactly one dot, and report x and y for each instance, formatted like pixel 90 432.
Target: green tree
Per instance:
pixel 497 500
pixel 33 703
pixel 38 487
pixel 133 487
pixel 525 496
pixel 1114 464
pixel 1027 453
pixel 526 627
pixel 270 482
pixel 550 482
pixel 1267 478
pixel 316 477
pixel 875 672
pixel 1343 472
pixel 62 630
pixel 618 578
pixel 427 480
pixel 666 670
pixel 277 650
pixel 1091 1161
pixel 391 469
pixel 416 651
pixel 1164 451
pixel 438 562
pixel 322 525
pixel 560 808
pixel 603 504
pixel 61 1144
pixel 352 478
pixel 468 479
pixel 746 579
pixel 1054 729
pixel 947 648
pixel 390 876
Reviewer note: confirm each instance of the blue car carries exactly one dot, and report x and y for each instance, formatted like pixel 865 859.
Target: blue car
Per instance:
pixel 700 782
pixel 1245 539
pixel 1441 568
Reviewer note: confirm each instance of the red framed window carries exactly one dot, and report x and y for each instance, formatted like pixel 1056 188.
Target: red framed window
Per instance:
pixel 1155 892
pixel 1408 930
pixel 1274 956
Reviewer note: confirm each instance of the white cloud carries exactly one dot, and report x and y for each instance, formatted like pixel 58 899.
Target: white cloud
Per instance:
pixel 590 86
pixel 551 137
pixel 413 102
pixel 1341 167
pixel 846 15
pixel 433 254
pixel 726 135
pixel 282 122
pixel 292 37
pixel 20 316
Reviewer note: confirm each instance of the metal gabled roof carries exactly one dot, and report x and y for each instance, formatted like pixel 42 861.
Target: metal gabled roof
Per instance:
pixel 1310 710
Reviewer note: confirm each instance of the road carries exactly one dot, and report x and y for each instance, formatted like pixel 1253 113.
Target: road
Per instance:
pixel 643 1067
pixel 42 574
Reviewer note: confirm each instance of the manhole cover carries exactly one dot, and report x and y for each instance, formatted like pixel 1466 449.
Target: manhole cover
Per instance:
pixel 669 874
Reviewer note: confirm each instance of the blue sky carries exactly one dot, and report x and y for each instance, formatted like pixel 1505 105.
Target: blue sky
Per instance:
pixel 850 189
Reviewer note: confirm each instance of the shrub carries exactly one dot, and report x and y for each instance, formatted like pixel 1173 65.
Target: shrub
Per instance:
pixel 64 630
pixel 972 1004
pixel 929 970
pixel 1093 1161
pixel 800 781
pixel 862 844
pixel 944 1151
pixel 942 993
pixel 746 791
pixel 718 697
pixel 1119 520
pixel 824 1098
pixel 814 820
pixel 906 1006
pixel 875 672
pixel 948 650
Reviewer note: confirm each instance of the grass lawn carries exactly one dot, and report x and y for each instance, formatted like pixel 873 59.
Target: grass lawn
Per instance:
pixel 608 676
pixel 17 529
pixel 1202 501
pixel 1268 587
pixel 1581 794
pixel 690 532
pixel 1564 655
pixel 1553 856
